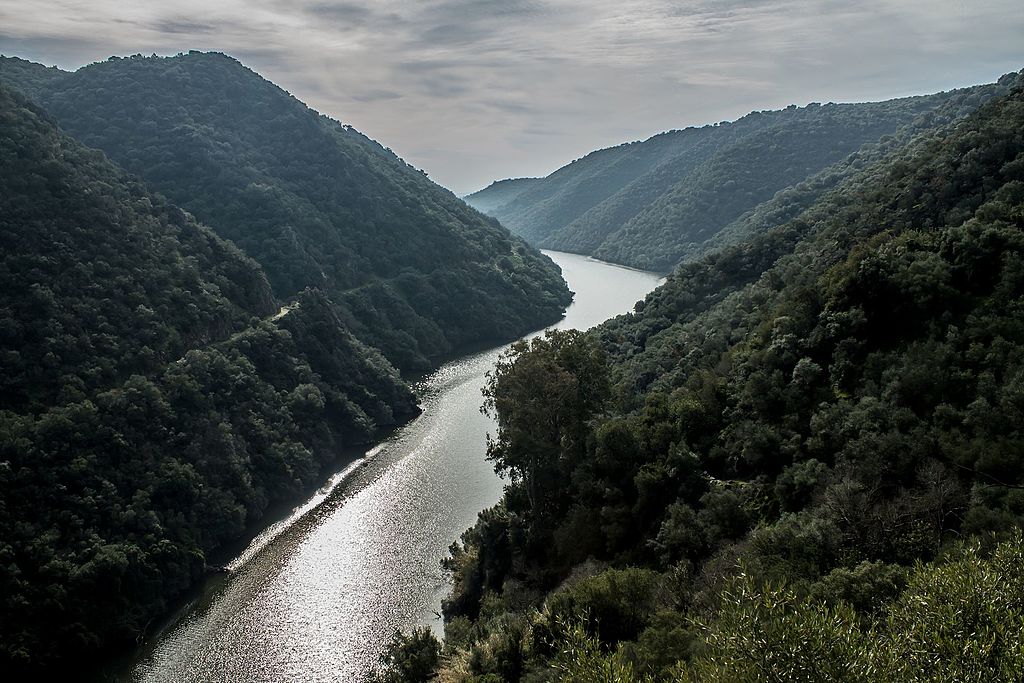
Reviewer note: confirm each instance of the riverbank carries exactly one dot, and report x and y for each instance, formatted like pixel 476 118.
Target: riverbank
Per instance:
pixel 317 597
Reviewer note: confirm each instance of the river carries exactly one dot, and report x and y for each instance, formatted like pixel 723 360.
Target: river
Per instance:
pixel 317 595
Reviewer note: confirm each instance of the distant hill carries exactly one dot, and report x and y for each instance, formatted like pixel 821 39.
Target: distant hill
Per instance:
pixel 154 398
pixel 412 269
pixel 549 203
pixel 655 203
pixel 498 193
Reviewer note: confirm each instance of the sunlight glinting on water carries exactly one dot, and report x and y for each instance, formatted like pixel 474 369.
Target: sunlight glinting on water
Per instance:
pixel 317 596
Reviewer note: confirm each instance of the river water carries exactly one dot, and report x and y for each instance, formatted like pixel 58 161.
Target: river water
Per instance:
pixel 317 596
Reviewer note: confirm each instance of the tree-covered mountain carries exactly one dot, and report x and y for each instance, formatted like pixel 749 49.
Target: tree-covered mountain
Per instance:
pixel 413 270
pixel 546 205
pixel 801 458
pixel 154 399
pixel 673 197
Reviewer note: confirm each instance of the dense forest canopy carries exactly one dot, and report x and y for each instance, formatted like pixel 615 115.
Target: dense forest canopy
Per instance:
pixel 801 458
pixel 413 270
pixel 76 231
pixel 30 78
pixel 674 197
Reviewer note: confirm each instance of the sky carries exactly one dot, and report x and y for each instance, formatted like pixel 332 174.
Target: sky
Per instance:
pixel 477 90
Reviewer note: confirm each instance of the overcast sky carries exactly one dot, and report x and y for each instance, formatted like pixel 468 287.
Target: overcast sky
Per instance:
pixel 476 90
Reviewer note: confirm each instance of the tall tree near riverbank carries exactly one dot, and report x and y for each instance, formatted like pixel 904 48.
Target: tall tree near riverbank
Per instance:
pixel 542 394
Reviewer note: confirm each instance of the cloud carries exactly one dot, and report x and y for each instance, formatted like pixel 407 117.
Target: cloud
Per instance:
pixel 376 95
pixel 473 90
pixel 344 13
pixel 182 26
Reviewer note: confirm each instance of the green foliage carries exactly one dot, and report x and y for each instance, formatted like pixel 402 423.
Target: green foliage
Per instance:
pixel 961 620
pixel 615 605
pixel 580 659
pixel 867 587
pixel 30 78
pixel 957 621
pixel 766 633
pixel 99 279
pixel 410 658
pixel 414 271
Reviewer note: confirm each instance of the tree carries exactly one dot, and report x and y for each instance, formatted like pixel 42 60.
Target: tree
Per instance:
pixel 543 394
pixel 410 658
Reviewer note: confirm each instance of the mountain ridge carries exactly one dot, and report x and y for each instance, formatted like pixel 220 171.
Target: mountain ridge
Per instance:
pixel 413 270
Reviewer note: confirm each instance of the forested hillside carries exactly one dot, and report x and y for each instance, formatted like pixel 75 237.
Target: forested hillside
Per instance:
pixel 154 401
pixel 674 197
pixel 545 205
pixel 413 270
pixel 799 459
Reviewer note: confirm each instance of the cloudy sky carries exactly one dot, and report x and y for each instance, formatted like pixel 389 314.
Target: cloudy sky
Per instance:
pixel 475 90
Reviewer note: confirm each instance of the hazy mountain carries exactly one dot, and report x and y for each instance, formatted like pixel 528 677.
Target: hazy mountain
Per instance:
pixel 655 203
pixel 498 193
pixel 547 204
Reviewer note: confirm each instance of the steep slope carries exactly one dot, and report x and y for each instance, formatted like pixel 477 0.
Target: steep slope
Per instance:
pixel 498 193
pixel 71 223
pixel 154 402
pixel 742 175
pixel 550 203
pixel 655 203
pixel 745 248
pixel 415 271
pixel 589 230
pixel 848 406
